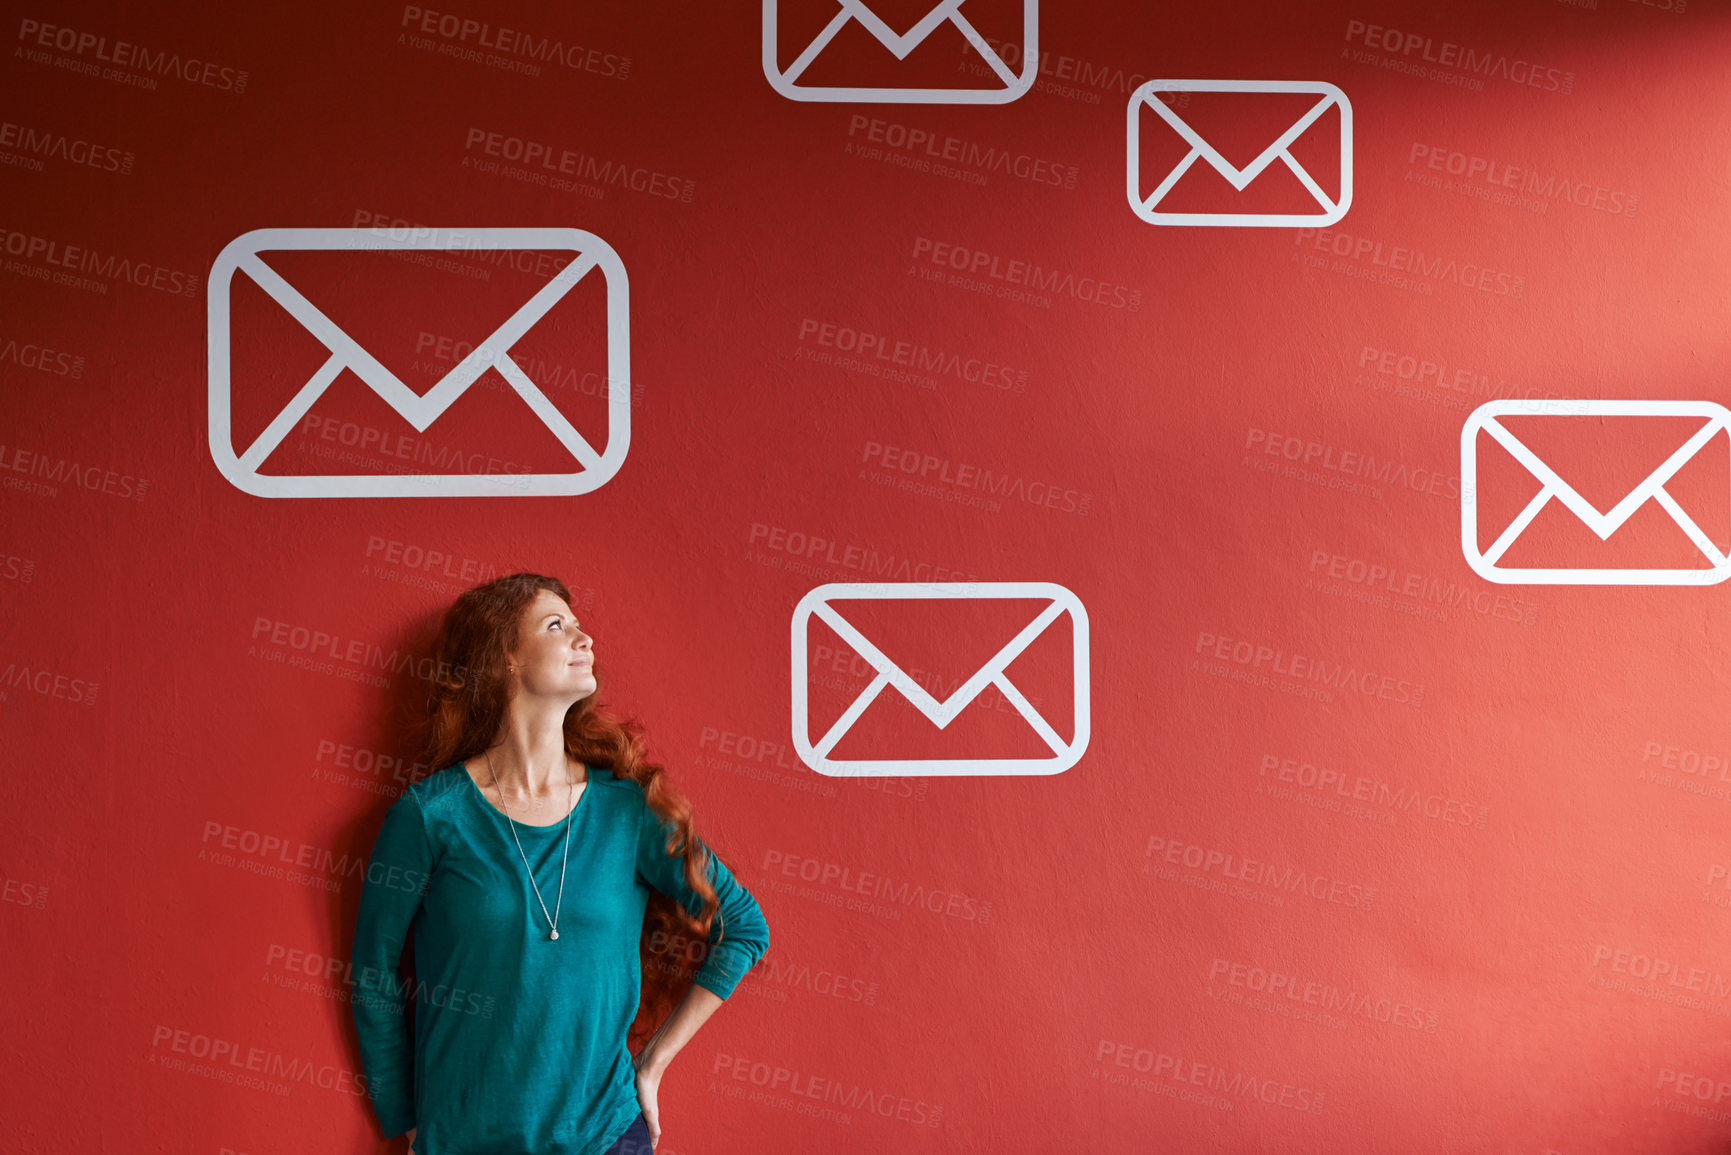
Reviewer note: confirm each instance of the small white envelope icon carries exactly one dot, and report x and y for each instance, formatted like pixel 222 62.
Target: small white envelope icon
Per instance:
pixel 822 602
pixel 1146 207
pixel 1715 420
pixel 419 410
pixel 786 80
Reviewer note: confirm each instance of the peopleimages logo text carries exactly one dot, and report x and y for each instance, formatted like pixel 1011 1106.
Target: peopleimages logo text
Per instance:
pixel 1308 668
pixel 1405 259
pixel 59 146
pixel 935 146
pixel 912 355
pixel 66 471
pixel 111 266
pixel 973 477
pixel 167 1042
pixel 1322 887
pixel 356 651
pixel 1500 175
pixel 1027 274
pixel 514 42
pixel 1351 463
pixel 1448 54
pixel 123 54
pixel 1299 989
pixel 562 161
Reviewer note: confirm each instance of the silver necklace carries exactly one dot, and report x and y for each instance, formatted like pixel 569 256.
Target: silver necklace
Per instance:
pixel 552 919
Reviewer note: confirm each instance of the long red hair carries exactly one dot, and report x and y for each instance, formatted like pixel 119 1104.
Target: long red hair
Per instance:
pixel 466 708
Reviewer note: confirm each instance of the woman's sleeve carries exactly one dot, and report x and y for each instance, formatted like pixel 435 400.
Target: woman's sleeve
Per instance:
pixel 738 936
pixel 391 893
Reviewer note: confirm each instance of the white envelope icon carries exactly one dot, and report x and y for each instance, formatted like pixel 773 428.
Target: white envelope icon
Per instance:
pixel 822 602
pixel 786 81
pixel 591 468
pixel 1715 420
pixel 1146 207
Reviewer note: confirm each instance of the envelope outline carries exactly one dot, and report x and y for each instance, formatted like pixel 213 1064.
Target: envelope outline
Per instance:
pixel 1239 178
pixel 420 411
pixel 945 11
pixel 816 755
pixel 1602 523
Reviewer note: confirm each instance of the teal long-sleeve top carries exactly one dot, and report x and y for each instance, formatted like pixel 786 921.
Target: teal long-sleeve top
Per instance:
pixel 518 1042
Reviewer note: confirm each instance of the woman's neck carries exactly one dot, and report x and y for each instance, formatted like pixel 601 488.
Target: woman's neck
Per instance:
pixel 529 755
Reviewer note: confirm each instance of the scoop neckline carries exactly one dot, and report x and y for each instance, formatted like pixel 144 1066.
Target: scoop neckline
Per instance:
pixel 485 804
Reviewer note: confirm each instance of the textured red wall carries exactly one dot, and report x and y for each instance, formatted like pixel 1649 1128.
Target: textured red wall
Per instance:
pixel 1365 851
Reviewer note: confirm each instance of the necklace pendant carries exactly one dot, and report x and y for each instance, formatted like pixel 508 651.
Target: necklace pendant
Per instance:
pixel 555 934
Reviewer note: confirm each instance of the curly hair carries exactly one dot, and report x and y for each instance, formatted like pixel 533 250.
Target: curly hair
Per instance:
pixel 465 710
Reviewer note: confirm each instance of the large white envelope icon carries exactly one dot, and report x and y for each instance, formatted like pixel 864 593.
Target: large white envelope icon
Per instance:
pixel 588 252
pixel 822 603
pixel 786 80
pixel 1146 207
pixel 1715 420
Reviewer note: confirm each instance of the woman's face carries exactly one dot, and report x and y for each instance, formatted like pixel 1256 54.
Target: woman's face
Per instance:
pixel 554 658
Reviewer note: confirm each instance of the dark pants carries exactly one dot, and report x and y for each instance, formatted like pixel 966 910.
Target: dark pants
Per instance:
pixel 635 1140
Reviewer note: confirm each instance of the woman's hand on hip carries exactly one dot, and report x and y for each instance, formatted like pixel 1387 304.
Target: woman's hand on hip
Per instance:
pixel 648 1084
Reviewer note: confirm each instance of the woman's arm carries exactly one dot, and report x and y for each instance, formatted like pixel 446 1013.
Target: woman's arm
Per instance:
pixel 738 937
pixel 693 1010
pixel 391 893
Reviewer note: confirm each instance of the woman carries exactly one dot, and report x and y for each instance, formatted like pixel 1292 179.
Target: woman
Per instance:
pixel 523 1002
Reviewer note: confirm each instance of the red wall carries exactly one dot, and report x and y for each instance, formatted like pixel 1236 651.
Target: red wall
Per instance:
pixel 1365 851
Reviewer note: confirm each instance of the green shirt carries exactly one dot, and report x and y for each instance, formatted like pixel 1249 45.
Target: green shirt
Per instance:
pixel 518 1041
